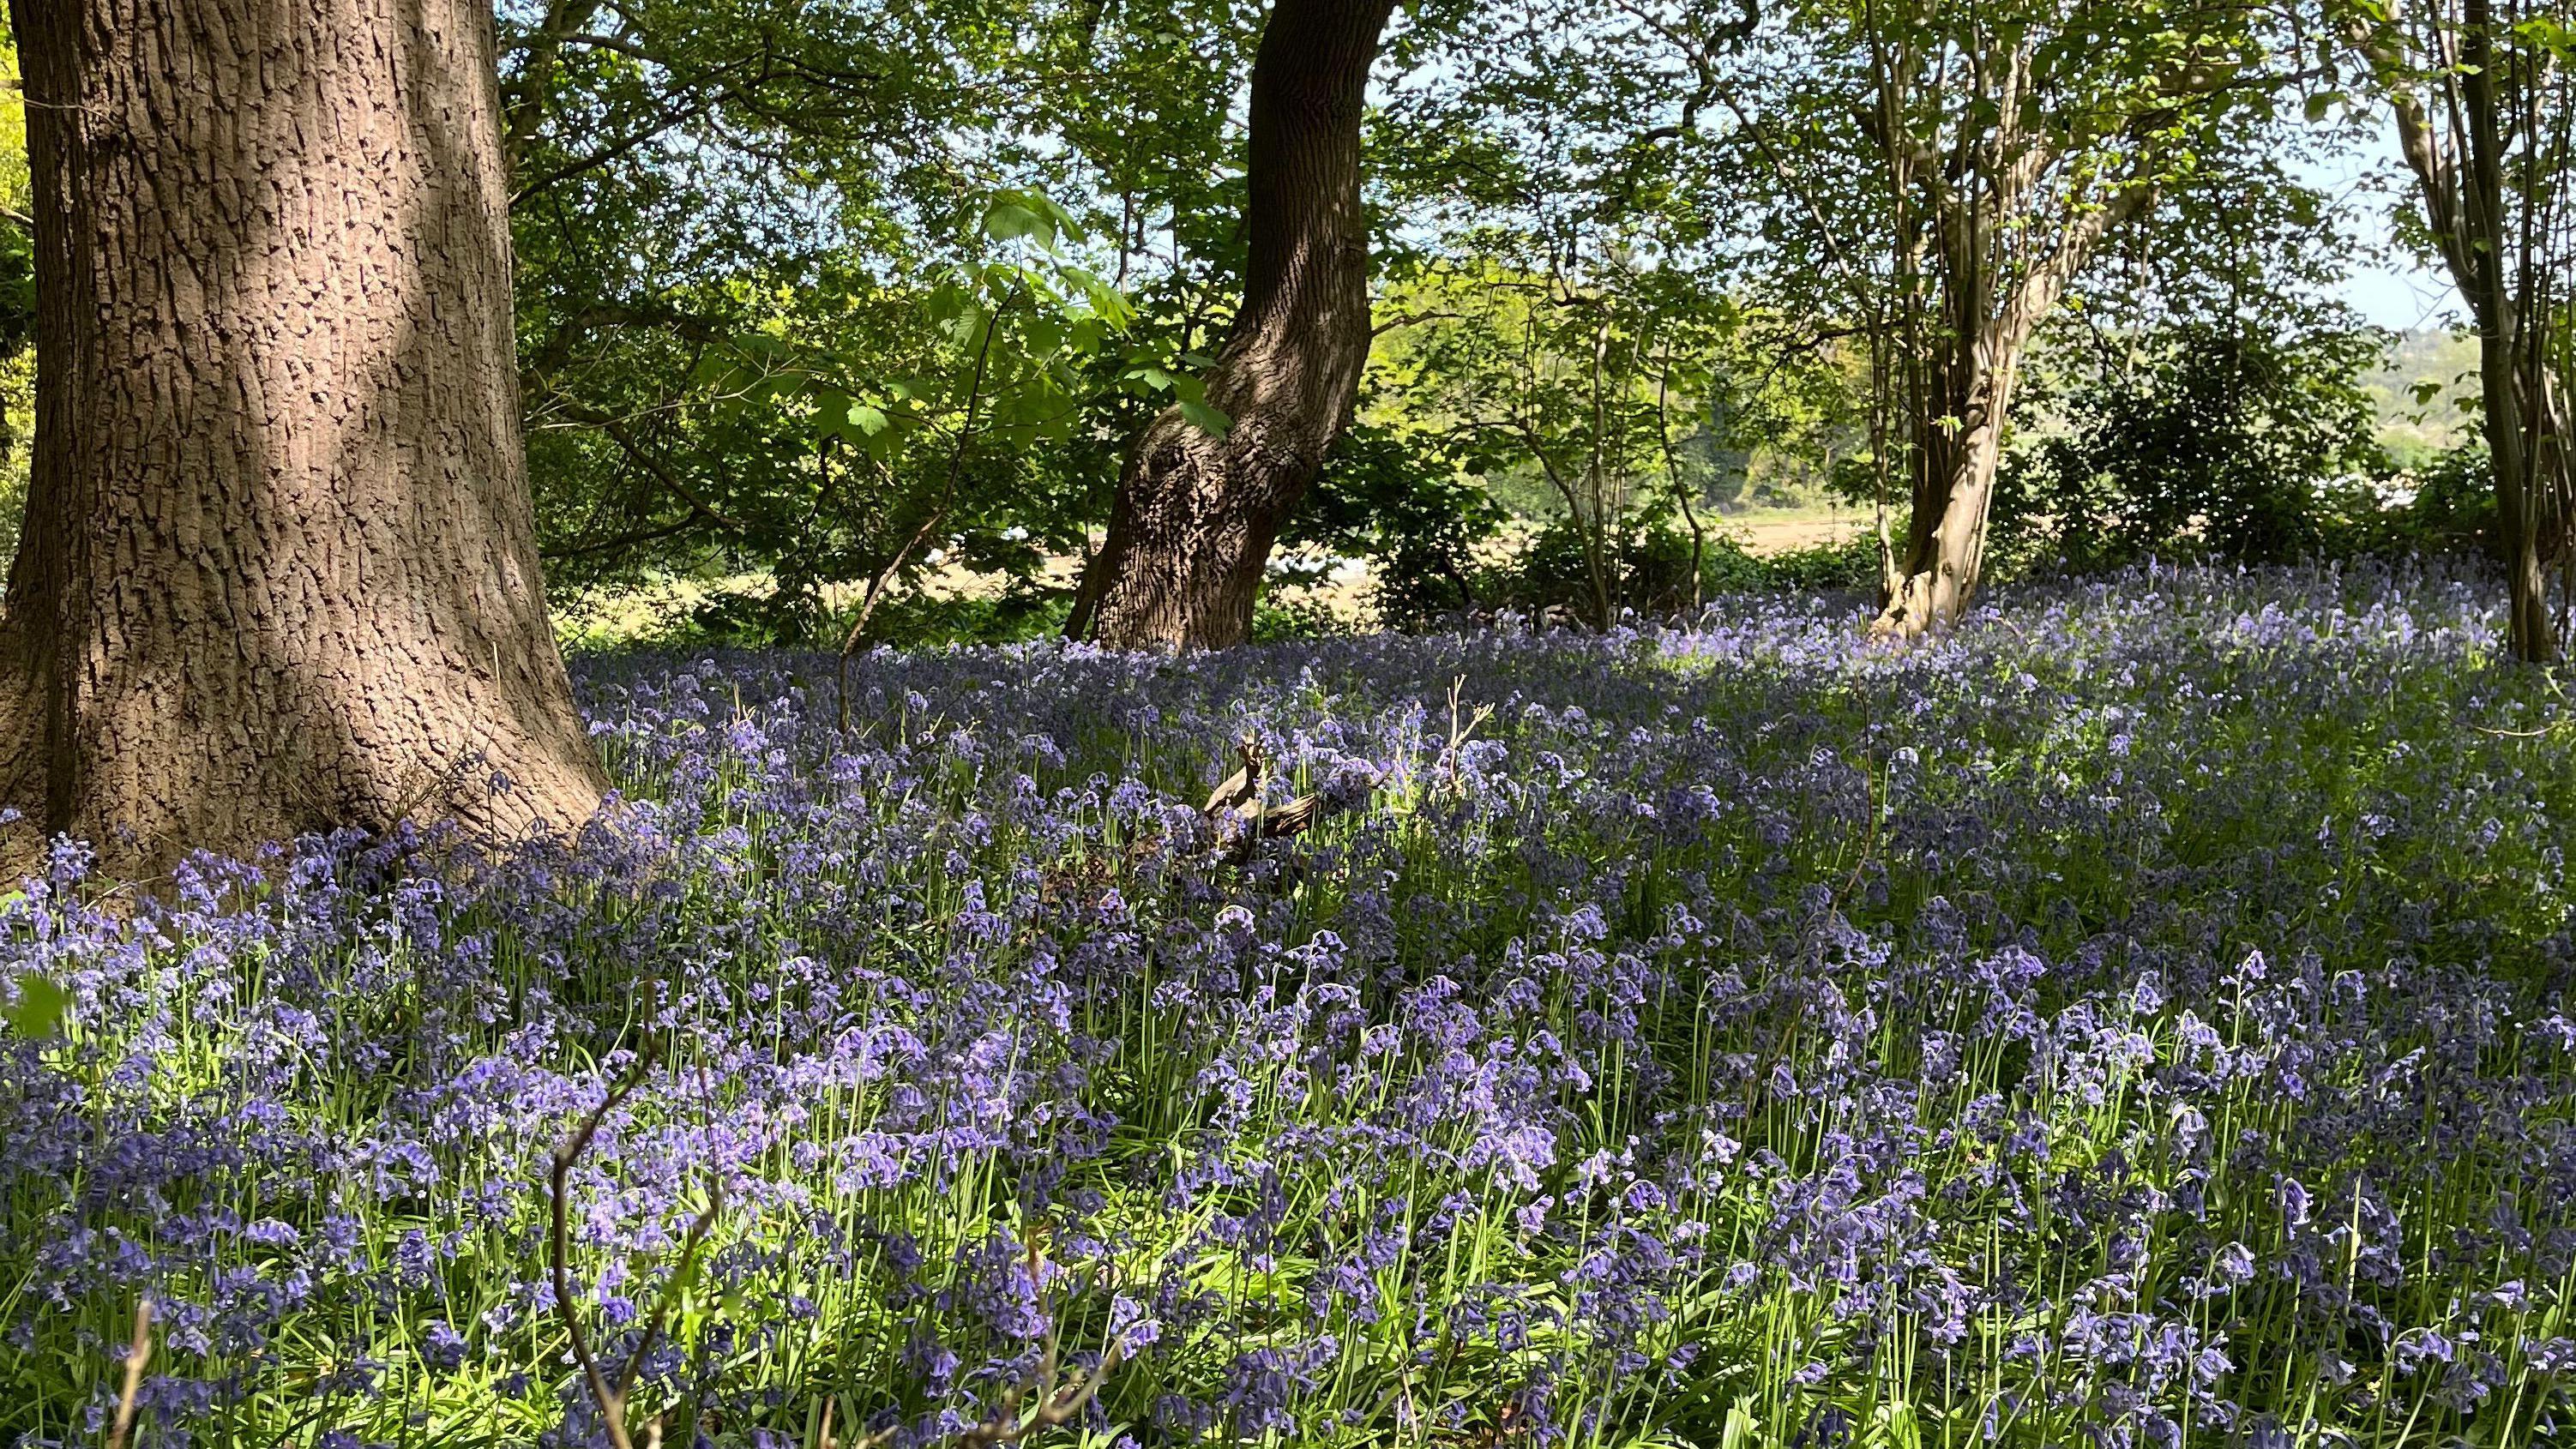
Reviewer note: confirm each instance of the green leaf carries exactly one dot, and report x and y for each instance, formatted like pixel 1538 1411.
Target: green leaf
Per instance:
pixel 855 420
pixel 712 370
pixel 1067 225
pixel 967 327
pixel 2319 104
pixel 39 1008
pixel 1207 419
pixel 1010 221
pixel 945 301
pixel 1110 304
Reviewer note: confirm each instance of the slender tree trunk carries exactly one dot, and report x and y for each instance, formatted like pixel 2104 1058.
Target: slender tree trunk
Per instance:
pixel 2458 148
pixel 2531 633
pixel 1196 514
pixel 1965 396
pixel 279 572
pixel 2503 335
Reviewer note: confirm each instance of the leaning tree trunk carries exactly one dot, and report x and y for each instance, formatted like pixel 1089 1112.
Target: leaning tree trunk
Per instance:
pixel 279 571
pixel 1956 450
pixel 1191 528
pixel 1958 423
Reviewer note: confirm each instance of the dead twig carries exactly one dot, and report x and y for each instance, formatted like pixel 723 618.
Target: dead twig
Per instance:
pixel 612 1402
pixel 1244 784
pixel 1458 733
pixel 135 1358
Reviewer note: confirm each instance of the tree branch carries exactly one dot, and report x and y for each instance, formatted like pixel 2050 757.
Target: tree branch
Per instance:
pixel 1413 319
pixel 529 94
pixel 618 433
pixel 623 540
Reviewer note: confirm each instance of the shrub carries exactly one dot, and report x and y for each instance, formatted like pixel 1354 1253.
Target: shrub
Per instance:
pixel 2204 439
pixel 1400 501
pixel 1649 567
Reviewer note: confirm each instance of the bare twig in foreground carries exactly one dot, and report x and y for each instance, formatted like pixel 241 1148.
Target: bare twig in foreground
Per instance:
pixel 135 1358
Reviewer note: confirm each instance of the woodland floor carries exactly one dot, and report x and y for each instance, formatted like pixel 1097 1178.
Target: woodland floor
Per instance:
pixel 2137 1019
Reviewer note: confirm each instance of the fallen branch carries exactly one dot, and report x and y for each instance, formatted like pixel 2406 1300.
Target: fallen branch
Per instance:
pixel 1244 801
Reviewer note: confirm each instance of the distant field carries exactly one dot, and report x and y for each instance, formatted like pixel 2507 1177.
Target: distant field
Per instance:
pixel 1778 531
pixel 612 619
pixel 2407 427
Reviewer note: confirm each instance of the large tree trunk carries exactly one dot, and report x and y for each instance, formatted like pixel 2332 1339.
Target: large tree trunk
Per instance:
pixel 1964 394
pixel 1933 580
pixel 279 571
pixel 1191 529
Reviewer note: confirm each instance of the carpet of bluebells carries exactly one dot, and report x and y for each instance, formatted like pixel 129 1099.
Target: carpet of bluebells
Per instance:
pixel 2133 1021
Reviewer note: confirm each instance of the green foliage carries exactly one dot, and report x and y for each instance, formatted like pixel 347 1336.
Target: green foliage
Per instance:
pixel 1626 263
pixel 820 297
pixel 1017 612
pixel 1399 500
pixel 2454 506
pixel 1649 567
pixel 1852 565
pixel 761 246
pixel 924 459
pixel 1277 619
pixel 37 1010
pixel 2198 438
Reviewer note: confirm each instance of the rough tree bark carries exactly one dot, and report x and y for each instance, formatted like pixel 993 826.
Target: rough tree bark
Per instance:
pixel 279 571
pixel 1195 515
